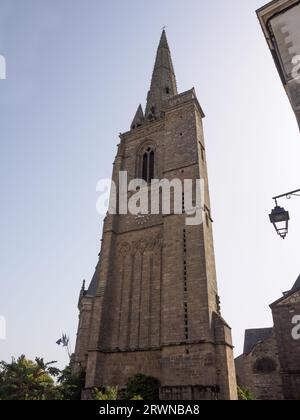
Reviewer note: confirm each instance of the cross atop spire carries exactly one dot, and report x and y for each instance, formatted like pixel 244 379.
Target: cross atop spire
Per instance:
pixel 163 84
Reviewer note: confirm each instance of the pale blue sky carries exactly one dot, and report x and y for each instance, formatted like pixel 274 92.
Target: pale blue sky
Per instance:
pixel 76 71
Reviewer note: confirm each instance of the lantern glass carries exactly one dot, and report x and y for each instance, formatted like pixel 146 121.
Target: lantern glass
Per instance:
pixel 280 220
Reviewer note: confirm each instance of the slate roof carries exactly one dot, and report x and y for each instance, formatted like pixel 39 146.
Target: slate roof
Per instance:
pixel 252 337
pixel 287 294
pixel 296 285
pixel 92 290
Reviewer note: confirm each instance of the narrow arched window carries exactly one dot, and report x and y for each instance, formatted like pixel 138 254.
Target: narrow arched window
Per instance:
pixel 151 166
pixel 145 167
pixel 148 165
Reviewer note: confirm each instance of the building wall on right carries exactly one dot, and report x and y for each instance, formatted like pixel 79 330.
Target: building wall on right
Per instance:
pixel 280 21
pixel 259 370
pixel 270 364
pixel 286 314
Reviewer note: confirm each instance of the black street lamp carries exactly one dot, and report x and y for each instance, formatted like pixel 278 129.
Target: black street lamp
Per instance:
pixel 279 217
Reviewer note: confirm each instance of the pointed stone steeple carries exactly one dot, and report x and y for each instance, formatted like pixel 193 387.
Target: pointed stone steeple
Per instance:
pixel 138 119
pixel 163 84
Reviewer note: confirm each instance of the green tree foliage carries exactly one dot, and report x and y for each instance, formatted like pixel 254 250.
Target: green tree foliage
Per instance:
pixel 144 386
pixel 111 394
pixel 70 386
pixel 137 398
pixel 244 394
pixel 23 379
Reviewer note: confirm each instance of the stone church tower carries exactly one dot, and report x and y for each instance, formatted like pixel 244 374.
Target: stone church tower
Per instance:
pixel 152 306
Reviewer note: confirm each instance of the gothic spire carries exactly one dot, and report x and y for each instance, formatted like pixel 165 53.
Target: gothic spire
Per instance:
pixel 138 119
pixel 163 84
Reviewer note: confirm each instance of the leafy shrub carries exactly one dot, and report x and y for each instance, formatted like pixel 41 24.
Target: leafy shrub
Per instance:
pixel 244 394
pixel 144 386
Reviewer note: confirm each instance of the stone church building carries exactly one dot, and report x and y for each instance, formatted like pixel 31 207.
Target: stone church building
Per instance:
pixel 270 364
pixel 152 306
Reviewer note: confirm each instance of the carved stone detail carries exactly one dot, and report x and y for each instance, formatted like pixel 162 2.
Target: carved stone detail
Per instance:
pixel 124 249
pixel 153 244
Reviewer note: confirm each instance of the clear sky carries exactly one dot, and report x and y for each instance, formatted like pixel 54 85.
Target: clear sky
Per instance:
pixel 76 72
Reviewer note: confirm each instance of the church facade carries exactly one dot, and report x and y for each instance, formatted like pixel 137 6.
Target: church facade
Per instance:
pixel 153 306
pixel 270 365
